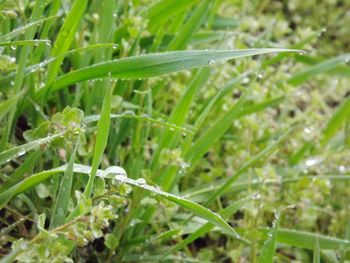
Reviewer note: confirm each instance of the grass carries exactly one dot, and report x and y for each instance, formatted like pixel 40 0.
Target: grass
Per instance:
pixel 174 131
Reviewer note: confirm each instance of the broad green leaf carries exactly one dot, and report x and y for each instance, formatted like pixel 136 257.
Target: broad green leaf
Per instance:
pixel 269 247
pixel 152 65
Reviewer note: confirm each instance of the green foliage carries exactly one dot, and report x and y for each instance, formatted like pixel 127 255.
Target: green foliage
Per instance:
pixel 174 131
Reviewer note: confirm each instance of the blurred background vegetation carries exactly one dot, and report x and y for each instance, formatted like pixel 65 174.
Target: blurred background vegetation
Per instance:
pixel 296 103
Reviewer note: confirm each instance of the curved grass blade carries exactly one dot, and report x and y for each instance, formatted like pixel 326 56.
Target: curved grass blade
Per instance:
pixel 10 154
pixel 61 205
pixel 153 65
pixel 225 213
pixel 339 117
pixel 118 174
pixel 20 30
pixel 268 250
pixel 319 68
pixel 195 208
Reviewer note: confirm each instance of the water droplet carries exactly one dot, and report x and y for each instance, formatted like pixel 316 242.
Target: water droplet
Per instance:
pixel 141 181
pixel 211 61
pixel 129 113
pixel 245 80
pixel 13 47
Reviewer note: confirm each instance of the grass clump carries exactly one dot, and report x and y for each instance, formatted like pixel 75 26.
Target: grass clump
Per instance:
pixel 174 131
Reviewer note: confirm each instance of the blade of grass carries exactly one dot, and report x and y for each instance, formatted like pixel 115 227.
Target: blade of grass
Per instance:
pixel 26 168
pixel 34 42
pixel 161 11
pixel 205 141
pixel 14 152
pixel 263 154
pixel 102 136
pixel 182 38
pixel 324 66
pixel 317 256
pixel 269 247
pixel 153 65
pixel 225 213
pixel 8 104
pixel 131 115
pixel 337 120
pixel 61 205
pixel 25 51
pixel 34 68
pixel 65 37
pixel 118 174
pixel 307 240
pixel 18 31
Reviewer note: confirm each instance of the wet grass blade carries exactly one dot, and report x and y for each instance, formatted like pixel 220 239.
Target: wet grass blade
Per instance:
pixel 20 30
pixel 225 213
pixel 61 205
pixel 102 136
pixel 152 65
pixel 269 247
pixel 131 115
pixel 10 154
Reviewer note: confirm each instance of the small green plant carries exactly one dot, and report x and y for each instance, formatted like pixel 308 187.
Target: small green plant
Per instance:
pixel 174 131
